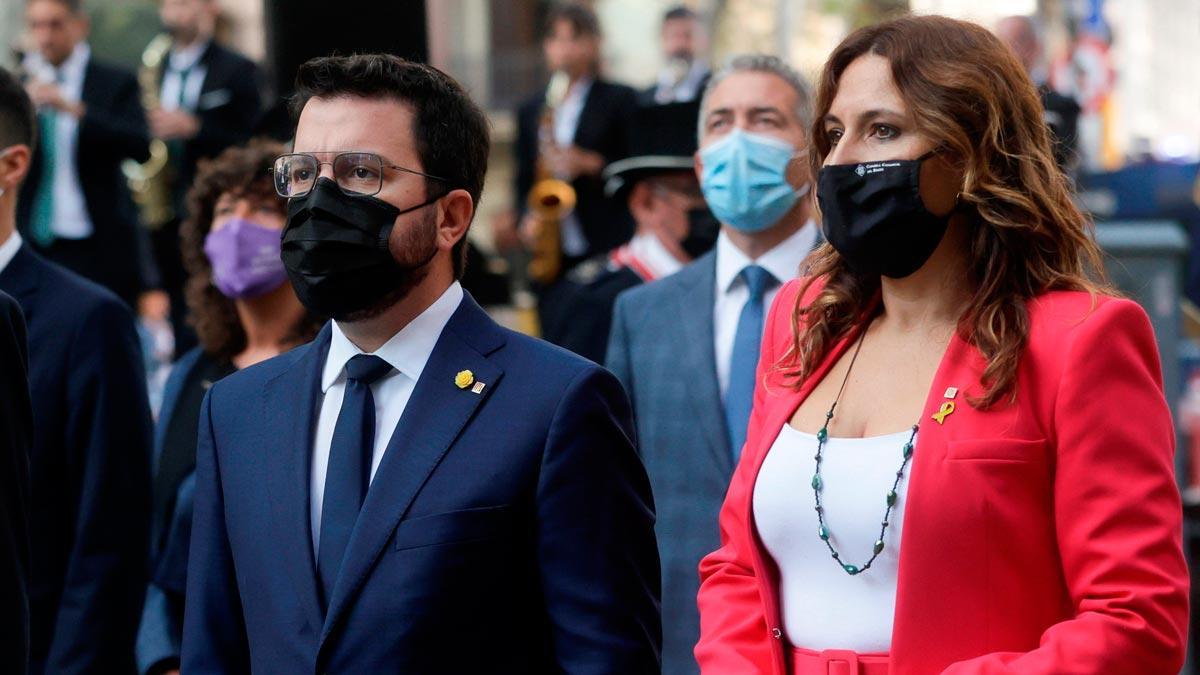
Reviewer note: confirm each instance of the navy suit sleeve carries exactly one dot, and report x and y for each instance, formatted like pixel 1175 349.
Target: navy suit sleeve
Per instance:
pixel 16 436
pixel 596 546
pixel 214 633
pixel 120 130
pixel 108 435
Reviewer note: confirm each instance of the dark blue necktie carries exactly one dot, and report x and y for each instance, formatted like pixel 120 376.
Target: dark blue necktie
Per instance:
pixel 739 397
pixel 349 470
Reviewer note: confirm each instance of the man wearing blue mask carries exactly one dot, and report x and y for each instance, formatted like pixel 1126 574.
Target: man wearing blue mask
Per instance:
pixel 686 346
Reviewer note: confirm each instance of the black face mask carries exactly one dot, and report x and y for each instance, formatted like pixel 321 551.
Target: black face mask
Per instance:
pixel 335 249
pixel 874 217
pixel 703 228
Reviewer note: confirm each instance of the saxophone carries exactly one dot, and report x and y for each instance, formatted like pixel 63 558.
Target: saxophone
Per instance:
pixel 551 197
pixel 151 182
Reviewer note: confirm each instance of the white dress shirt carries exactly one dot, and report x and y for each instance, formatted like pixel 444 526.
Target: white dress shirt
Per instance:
pixel 180 61
pixel 783 262
pixel 407 351
pixel 667 90
pixel 8 250
pixel 69 217
pixel 650 251
pixel 566 123
pixel 822 606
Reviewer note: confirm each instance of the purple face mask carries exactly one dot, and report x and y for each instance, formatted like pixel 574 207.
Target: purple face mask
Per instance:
pixel 245 259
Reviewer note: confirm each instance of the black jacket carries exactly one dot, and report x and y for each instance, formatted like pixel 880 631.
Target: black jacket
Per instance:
pixel 16 434
pixel 112 129
pixel 90 470
pixel 229 108
pixel 603 128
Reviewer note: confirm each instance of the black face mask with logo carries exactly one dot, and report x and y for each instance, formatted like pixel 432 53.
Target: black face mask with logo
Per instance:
pixel 703 228
pixel 874 217
pixel 335 250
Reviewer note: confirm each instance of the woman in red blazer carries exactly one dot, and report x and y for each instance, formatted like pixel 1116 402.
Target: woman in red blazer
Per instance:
pixel 956 314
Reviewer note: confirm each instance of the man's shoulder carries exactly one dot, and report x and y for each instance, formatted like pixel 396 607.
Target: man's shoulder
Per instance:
pixel 671 287
pixel 251 379
pixel 72 299
pixel 224 57
pixel 110 72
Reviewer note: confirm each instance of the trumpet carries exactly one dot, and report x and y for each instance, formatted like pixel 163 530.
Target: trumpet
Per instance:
pixel 151 181
pixel 551 197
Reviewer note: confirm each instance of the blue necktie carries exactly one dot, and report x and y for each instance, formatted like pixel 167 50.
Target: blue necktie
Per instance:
pixel 349 470
pixel 41 225
pixel 739 397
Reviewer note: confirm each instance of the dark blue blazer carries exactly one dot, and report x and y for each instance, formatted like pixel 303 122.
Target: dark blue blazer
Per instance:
pixel 90 472
pixel 505 531
pixel 16 435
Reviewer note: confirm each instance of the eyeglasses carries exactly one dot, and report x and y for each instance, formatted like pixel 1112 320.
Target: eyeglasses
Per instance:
pixel 358 174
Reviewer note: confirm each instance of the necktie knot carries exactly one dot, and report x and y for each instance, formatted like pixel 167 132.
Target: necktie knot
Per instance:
pixel 366 368
pixel 758 280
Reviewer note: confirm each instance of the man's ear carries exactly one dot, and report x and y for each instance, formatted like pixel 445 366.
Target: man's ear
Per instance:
pixel 456 209
pixel 697 165
pixel 14 166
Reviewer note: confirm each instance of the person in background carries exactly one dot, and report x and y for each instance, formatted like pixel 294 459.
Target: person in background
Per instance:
pixel 1023 36
pixel 244 311
pixel 417 490
pixel 686 71
pixel 16 437
pixel 75 206
pixel 673 226
pixel 961 459
pixel 90 462
pixel 685 347
pixel 208 100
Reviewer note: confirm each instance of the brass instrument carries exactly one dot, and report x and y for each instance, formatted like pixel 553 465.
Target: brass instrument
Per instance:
pixel 151 182
pixel 551 197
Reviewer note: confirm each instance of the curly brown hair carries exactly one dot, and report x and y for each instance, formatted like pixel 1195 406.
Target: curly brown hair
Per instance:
pixel 968 93
pixel 242 171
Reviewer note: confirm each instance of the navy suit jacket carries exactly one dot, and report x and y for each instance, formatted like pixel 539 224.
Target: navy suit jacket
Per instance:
pixel 90 475
pixel 16 435
pixel 505 531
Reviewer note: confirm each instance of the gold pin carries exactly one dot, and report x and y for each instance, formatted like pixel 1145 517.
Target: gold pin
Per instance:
pixel 478 388
pixel 464 379
pixel 951 392
pixel 943 412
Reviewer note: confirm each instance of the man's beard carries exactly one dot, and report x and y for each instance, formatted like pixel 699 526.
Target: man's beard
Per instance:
pixel 417 248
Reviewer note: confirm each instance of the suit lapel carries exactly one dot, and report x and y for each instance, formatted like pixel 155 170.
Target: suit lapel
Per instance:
pixel 589 117
pixel 434 417
pixel 699 358
pixel 290 404
pixel 20 280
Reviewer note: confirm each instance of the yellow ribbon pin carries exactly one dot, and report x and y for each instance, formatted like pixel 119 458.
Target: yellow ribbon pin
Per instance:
pixel 943 412
pixel 464 379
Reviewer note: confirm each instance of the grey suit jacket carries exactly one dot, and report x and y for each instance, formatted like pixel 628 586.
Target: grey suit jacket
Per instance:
pixel 661 348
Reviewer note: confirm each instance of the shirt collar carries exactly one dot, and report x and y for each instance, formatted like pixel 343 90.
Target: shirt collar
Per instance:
pixel 188 57
pixel 8 250
pixel 71 69
pixel 783 261
pixel 407 351
pixel 650 251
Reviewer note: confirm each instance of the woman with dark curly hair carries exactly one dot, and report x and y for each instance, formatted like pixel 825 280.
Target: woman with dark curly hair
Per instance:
pixel 244 311
pixel 960 456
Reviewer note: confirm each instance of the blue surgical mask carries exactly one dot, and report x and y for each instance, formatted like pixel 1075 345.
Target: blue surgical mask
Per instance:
pixel 745 180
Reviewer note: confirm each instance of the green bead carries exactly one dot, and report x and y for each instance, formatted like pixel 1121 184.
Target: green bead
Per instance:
pixel 822 435
pixel 816 482
pixel 892 498
pixel 908 450
pixel 823 533
pixel 879 547
pixel 851 569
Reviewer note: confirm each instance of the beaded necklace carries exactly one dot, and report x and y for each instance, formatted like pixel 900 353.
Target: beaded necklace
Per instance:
pixel 818 484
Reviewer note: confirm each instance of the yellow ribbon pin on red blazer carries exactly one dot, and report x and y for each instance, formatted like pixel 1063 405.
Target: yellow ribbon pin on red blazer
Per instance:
pixel 943 412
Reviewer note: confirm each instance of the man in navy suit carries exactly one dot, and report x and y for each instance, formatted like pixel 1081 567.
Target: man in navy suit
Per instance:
pixel 16 434
pixel 90 463
pixel 685 347
pixel 418 490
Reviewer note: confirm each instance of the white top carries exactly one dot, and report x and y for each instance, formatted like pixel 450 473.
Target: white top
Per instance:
pixel 180 61
pixel 8 249
pixel 783 261
pixel 822 606
pixel 69 216
pixel 407 351
pixel 566 123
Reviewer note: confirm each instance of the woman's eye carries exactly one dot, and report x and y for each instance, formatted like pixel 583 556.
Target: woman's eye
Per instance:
pixel 884 132
pixel 833 136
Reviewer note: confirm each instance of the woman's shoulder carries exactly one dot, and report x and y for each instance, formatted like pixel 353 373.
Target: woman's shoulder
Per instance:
pixel 1058 319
